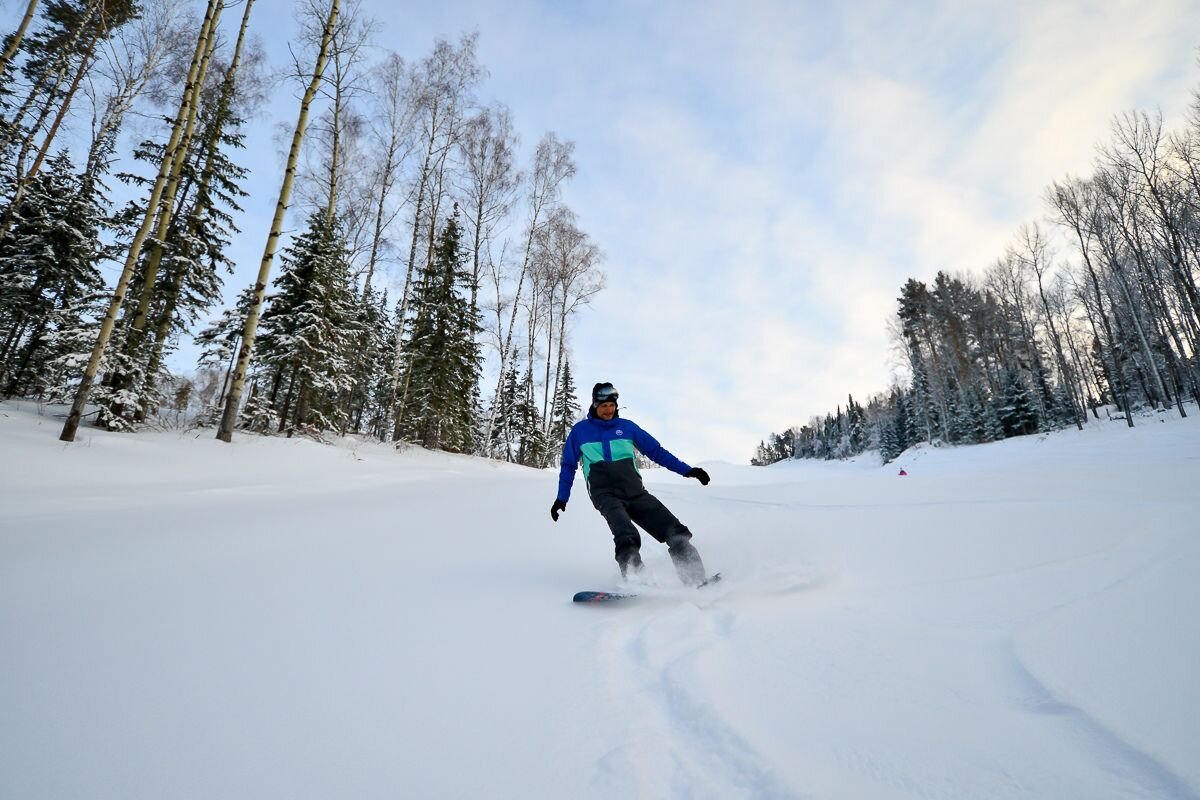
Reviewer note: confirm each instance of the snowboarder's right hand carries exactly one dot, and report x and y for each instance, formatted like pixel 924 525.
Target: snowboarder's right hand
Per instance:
pixel 558 506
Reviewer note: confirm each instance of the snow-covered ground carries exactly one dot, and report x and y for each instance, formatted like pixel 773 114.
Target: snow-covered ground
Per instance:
pixel 181 618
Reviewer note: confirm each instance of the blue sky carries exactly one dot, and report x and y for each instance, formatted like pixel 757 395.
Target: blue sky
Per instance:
pixel 763 176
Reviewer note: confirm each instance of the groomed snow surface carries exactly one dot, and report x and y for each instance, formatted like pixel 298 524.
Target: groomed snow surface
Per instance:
pixel 181 618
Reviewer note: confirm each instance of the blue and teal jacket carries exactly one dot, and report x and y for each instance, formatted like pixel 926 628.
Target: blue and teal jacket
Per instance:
pixel 606 450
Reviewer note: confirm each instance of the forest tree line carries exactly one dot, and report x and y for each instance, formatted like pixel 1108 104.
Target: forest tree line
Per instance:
pixel 425 254
pixel 1042 339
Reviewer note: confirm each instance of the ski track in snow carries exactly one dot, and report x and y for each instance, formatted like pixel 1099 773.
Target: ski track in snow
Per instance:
pixel 675 745
pixel 1144 775
pixel 1142 771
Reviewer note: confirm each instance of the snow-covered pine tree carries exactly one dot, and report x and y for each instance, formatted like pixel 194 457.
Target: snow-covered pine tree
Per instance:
pixel 889 446
pixel 219 343
pixel 1017 413
pixel 258 415
pixel 379 422
pixel 531 443
pixel 369 358
pixel 308 330
pixel 958 405
pixel 981 423
pixel 48 278
pixel 194 255
pixel 855 426
pixel 565 409
pixel 442 362
pixel 503 408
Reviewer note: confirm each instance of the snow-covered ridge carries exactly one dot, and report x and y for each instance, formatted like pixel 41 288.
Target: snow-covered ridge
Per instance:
pixel 280 618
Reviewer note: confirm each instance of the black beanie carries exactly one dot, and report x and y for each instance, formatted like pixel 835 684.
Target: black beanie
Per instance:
pixel 610 394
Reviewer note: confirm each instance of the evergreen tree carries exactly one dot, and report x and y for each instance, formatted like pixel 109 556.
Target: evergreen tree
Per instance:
pixel 856 426
pixel 504 405
pixel 48 278
pixel 895 433
pixel 531 444
pixel 309 329
pixel 889 446
pixel 442 362
pixel 219 342
pixel 565 408
pixel 185 265
pixel 1017 414
pixel 373 371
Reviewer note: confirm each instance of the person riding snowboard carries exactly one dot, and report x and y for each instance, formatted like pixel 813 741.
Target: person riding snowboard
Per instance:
pixel 605 443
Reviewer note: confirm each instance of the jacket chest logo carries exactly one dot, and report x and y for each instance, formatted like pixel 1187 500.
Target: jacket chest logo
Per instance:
pixel 620 432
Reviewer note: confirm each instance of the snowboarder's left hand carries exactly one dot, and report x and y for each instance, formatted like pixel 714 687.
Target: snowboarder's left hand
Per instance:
pixel 558 506
pixel 698 474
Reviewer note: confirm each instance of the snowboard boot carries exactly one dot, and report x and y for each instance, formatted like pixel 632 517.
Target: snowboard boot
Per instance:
pixel 632 566
pixel 687 560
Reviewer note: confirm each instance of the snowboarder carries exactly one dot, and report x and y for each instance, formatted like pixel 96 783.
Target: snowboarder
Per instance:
pixel 605 443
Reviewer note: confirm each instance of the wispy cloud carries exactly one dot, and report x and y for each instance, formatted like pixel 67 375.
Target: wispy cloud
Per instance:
pixel 895 164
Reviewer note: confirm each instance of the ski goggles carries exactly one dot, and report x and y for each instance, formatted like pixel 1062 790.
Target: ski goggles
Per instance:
pixel 606 393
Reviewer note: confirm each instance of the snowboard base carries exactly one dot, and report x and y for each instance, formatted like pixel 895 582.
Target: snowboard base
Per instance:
pixel 599 597
pixel 604 597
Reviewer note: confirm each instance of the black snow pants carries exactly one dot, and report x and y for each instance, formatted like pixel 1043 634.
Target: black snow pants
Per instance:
pixel 618 494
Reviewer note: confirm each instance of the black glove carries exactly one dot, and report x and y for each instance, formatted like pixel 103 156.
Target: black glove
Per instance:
pixel 698 474
pixel 558 506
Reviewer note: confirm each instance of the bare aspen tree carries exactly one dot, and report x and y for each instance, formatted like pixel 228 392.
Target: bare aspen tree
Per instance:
pixel 233 399
pixel 392 133
pixel 1034 255
pixel 1183 165
pixel 1118 197
pixel 488 183
pixel 1140 147
pixel 442 89
pixel 543 291
pixel 1061 296
pixel 216 125
pixel 574 279
pixel 334 136
pixel 1076 206
pixel 345 56
pixel 190 98
pixel 1151 222
pixel 442 80
pixel 14 39
pixel 93 26
pixel 50 76
pixel 553 165
pixel 107 24
pixel 134 57
pixel 101 21
pixel 166 205
pixel 1006 278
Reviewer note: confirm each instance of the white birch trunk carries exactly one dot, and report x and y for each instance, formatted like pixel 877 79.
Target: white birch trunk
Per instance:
pixel 233 399
pixel 190 97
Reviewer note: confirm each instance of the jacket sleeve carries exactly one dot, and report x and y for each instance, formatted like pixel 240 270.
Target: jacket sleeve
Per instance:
pixel 654 451
pixel 566 473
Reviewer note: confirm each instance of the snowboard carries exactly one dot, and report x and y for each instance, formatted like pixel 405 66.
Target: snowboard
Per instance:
pixel 604 597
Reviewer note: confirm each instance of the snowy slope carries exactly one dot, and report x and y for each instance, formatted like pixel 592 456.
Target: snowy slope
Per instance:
pixel 282 619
